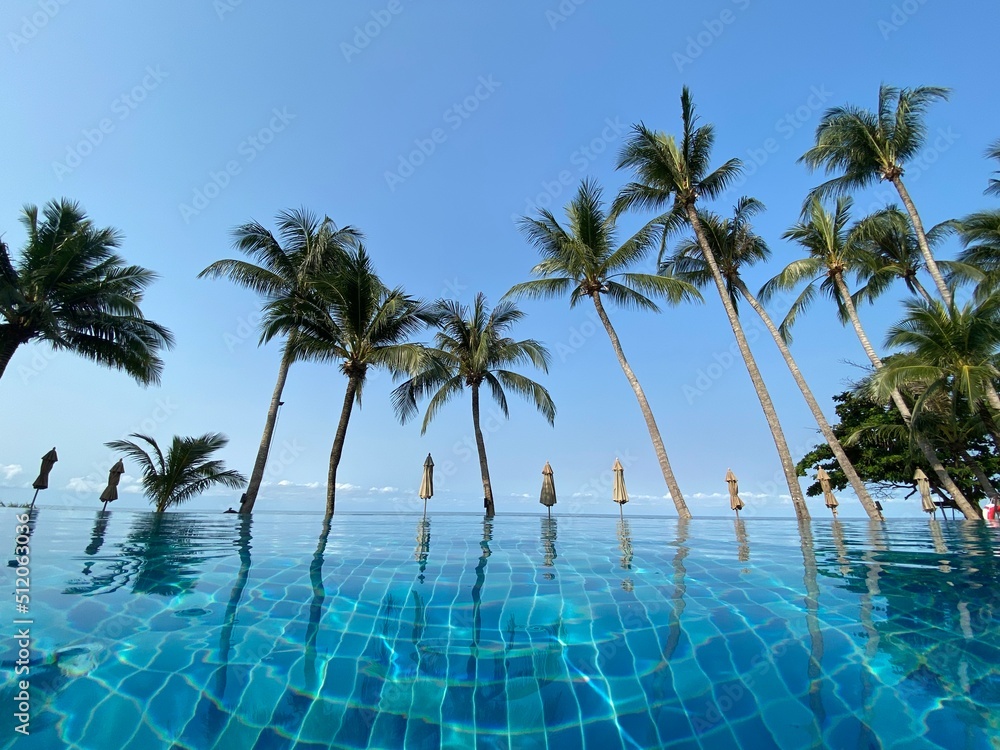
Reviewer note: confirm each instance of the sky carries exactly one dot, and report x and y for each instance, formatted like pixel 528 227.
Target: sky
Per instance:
pixel 431 127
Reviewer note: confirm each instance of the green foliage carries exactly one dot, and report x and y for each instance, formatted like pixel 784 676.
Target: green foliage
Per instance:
pixel 878 443
pixel 185 471
pixel 71 289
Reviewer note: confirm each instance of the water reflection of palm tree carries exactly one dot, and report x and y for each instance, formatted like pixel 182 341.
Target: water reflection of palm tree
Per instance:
pixel 549 529
pixel 162 554
pixel 876 543
pixel 816 646
pixel 315 606
pixel 423 545
pixel 216 718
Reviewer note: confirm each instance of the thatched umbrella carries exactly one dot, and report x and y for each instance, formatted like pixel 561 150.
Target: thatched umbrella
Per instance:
pixel 618 492
pixel 824 482
pixel 42 483
pixel 735 503
pixel 427 481
pixel 548 496
pixel 111 491
pixel 924 488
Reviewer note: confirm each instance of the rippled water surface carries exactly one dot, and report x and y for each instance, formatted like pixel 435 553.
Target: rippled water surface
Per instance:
pixel 210 631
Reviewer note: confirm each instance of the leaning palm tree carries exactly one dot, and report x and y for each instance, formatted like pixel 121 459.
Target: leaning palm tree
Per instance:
pixel 582 259
pixel 980 260
pixel 736 247
pixel 871 146
pixel 472 349
pixel 187 469
pixel 674 175
pixel 834 250
pixel 353 319
pixel 70 289
pixel 281 268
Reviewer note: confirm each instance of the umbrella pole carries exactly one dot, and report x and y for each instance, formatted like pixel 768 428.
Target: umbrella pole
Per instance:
pixel 621 510
pixel 550 510
pixel 33 500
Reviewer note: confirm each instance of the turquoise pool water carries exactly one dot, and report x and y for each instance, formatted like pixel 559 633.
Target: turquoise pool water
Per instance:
pixel 208 631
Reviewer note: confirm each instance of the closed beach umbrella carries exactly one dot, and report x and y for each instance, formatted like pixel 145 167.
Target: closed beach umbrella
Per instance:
pixel 427 482
pixel 735 503
pixel 924 487
pixel 618 492
pixel 548 496
pixel 824 482
pixel 42 483
pixel 111 491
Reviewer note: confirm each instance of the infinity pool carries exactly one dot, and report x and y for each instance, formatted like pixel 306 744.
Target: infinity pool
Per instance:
pixel 209 631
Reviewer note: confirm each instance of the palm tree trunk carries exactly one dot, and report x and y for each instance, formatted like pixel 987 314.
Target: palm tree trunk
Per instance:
pixel 824 426
pixel 257 475
pixel 484 467
pixel 353 381
pixel 647 413
pixel 926 448
pixel 982 477
pixel 925 248
pixel 7 349
pixel 915 282
pixel 784 455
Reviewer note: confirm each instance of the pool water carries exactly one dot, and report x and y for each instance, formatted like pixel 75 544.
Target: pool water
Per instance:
pixel 196 630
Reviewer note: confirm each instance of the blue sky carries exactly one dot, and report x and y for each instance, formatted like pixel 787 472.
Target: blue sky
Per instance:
pixel 430 126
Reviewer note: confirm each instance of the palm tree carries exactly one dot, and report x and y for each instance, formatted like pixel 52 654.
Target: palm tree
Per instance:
pixel 871 146
pixel 994 153
pixel 833 251
pixel 948 349
pixel 281 268
pixel 582 260
pixel 72 290
pixel 187 469
pixel 736 247
pixel 893 253
pixel 980 260
pixel 675 174
pixel 353 319
pixel 472 349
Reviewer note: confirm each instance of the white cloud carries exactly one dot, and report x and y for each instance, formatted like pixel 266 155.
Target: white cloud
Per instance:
pixel 381 490
pixel 10 471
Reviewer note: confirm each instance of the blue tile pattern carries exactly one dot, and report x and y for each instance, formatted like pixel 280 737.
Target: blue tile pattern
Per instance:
pixel 452 631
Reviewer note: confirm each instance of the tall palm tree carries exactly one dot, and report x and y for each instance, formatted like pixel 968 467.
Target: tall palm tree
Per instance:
pixel 187 469
pixel 872 146
pixel 834 251
pixel 736 247
pixel 71 289
pixel 674 175
pixel 582 259
pixel 282 268
pixel 472 349
pixel 353 319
